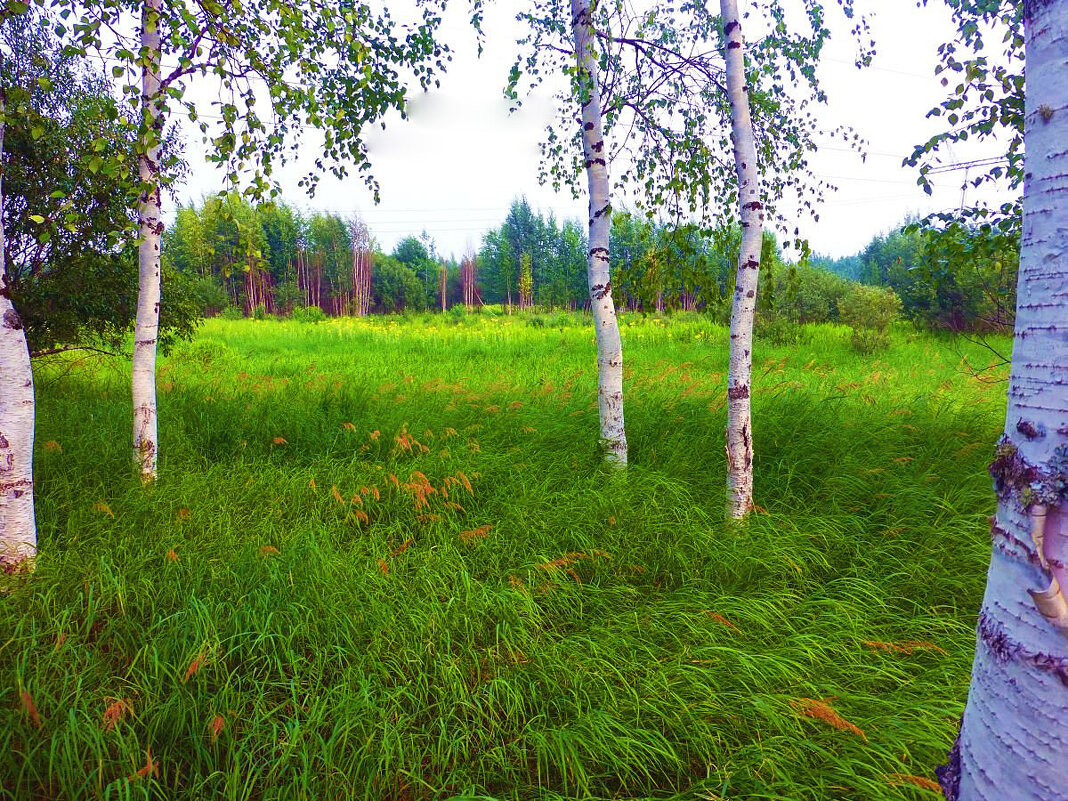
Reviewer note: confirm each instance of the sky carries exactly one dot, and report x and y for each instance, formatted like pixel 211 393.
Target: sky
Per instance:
pixel 454 167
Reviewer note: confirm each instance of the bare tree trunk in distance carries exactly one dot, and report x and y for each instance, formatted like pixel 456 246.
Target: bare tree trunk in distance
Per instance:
pixel 739 374
pixel 146 330
pixel 1014 733
pixel 609 344
pixel 18 529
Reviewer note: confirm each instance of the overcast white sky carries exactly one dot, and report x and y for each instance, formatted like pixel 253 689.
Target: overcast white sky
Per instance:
pixel 454 167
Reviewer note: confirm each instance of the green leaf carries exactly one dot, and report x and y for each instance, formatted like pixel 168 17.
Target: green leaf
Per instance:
pixel 37 218
pixel 37 132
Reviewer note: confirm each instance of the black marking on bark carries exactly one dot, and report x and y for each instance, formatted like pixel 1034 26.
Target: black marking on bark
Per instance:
pixel 1005 649
pixel 598 146
pixel 740 392
pixel 601 291
pixel 1029 429
pixel 599 251
pixel 12 320
pixel 733 45
pixel 752 263
pixel 588 126
pixel 750 294
pixel 605 209
pixel 948 775
pixel 730 26
pixel 1033 7
pixel 1010 544
pixel 3 442
pixel 754 205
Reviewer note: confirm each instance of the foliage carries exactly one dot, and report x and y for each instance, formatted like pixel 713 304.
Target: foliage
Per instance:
pixel 72 280
pixel 665 106
pixel 308 314
pixel 985 101
pixel 228 237
pixel 956 278
pixel 869 311
pixel 396 286
pixel 596 641
pixel 335 67
pixel 418 255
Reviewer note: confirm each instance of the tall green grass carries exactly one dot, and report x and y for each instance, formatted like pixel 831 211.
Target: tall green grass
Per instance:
pixel 607 636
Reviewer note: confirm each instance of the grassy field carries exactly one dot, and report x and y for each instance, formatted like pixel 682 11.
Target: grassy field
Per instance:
pixel 383 561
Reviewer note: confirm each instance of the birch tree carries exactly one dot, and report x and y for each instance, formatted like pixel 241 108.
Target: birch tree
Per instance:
pixel 751 212
pixel 18 530
pixel 606 325
pixel 649 88
pixel 1015 724
pixel 335 67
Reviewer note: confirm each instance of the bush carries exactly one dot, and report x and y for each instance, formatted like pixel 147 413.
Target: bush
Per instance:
pixel 308 314
pixel 232 313
pixel 537 321
pixel 260 312
pixel 778 329
pixel 209 294
pixel 869 311
pixel 396 287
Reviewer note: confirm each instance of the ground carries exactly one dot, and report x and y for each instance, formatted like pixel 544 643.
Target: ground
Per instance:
pixel 383 560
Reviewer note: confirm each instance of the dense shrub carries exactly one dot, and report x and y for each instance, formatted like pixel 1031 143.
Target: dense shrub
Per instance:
pixel 396 287
pixel 869 311
pixel 308 314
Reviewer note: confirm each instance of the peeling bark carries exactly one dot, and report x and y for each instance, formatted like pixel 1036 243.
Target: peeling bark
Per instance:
pixel 1014 735
pixel 739 375
pixel 609 343
pixel 146 328
pixel 18 530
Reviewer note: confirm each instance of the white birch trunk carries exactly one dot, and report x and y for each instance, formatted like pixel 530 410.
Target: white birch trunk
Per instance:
pixel 1014 736
pixel 609 344
pixel 18 531
pixel 146 330
pixel 739 374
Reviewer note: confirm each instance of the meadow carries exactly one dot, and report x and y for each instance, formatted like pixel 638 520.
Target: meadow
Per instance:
pixel 383 560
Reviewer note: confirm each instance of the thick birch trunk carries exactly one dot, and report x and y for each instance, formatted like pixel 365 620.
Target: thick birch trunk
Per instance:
pixel 18 531
pixel 146 330
pixel 609 344
pixel 739 375
pixel 1014 736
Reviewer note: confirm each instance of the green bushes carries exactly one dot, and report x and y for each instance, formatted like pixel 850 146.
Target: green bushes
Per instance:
pixel 396 287
pixel 308 314
pixel 869 311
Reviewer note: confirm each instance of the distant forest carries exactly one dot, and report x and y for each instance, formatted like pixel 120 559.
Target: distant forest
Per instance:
pixel 272 259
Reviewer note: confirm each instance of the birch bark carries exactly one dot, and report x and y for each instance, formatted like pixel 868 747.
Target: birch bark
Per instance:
pixel 609 343
pixel 146 328
pixel 18 531
pixel 1014 736
pixel 751 210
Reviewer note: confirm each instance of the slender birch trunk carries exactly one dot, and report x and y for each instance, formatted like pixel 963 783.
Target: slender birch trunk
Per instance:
pixel 146 330
pixel 18 530
pixel 1014 734
pixel 609 344
pixel 739 375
